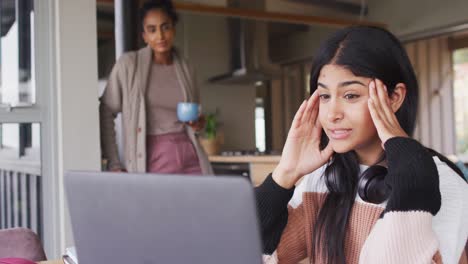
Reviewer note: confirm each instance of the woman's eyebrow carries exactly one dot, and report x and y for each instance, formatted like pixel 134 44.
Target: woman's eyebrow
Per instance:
pixel 322 85
pixel 343 84
pixel 347 83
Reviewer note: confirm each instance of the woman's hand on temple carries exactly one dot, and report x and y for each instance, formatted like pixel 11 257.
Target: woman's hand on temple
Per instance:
pixel 301 153
pixel 384 118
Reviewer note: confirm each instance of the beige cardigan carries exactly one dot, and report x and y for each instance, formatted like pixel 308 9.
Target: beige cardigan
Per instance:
pixel 125 92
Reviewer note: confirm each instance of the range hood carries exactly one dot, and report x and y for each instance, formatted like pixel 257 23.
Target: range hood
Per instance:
pixel 249 54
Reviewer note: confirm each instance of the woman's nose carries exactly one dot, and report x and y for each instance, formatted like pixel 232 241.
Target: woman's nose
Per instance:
pixel 335 111
pixel 160 34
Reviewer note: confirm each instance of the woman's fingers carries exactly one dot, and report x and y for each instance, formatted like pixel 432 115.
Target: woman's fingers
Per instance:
pixel 374 113
pixel 317 129
pixel 315 108
pixel 298 116
pixel 311 102
pixel 384 100
pixel 374 104
pixel 385 121
pixel 375 110
pixel 327 152
pixel 306 115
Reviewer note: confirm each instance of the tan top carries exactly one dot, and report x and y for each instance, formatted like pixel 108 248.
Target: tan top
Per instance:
pixel 125 93
pixel 162 96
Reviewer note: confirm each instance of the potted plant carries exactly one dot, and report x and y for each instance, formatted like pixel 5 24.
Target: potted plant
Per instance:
pixel 209 139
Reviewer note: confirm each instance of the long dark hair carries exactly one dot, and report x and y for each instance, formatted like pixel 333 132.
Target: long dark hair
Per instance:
pixel 367 52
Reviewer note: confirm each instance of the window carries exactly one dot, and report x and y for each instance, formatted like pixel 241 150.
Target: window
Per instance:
pixel 460 66
pixel 260 125
pixel 20 176
pixel 20 120
pixel 20 141
pixel 17 85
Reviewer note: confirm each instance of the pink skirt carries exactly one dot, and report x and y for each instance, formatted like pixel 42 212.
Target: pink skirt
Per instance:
pixel 171 153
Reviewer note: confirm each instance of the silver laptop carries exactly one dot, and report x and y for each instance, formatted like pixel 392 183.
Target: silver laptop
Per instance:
pixel 150 218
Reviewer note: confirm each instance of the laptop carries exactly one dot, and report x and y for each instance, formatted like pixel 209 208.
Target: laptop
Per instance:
pixel 149 218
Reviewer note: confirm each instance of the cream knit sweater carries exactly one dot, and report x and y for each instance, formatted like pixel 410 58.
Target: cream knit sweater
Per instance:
pixel 415 225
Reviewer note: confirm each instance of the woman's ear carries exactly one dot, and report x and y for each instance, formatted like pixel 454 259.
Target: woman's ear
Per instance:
pixel 398 96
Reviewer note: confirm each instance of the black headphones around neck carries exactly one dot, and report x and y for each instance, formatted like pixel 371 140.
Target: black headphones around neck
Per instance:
pixel 371 185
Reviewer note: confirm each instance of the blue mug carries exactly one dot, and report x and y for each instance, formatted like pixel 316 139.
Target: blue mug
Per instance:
pixel 188 112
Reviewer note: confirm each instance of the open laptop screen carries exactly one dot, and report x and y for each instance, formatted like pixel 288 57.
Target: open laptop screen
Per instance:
pixel 150 218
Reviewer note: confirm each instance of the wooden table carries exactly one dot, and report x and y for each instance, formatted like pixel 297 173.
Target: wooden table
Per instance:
pixel 52 262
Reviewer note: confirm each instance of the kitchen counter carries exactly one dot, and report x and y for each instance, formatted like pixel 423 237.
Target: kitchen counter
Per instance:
pixel 246 158
pixel 259 166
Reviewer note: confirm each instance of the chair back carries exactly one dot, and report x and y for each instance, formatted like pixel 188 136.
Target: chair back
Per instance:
pixel 21 243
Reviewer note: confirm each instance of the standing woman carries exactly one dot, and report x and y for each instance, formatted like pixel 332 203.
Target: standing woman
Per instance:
pixel 145 86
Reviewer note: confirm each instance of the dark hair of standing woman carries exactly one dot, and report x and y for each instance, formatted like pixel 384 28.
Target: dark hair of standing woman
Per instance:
pixel 165 5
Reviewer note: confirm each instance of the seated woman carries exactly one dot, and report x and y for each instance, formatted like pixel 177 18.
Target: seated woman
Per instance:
pixel 371 193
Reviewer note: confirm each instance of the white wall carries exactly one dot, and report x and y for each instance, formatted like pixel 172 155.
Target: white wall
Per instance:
pixel 77 144
pixel 204 41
